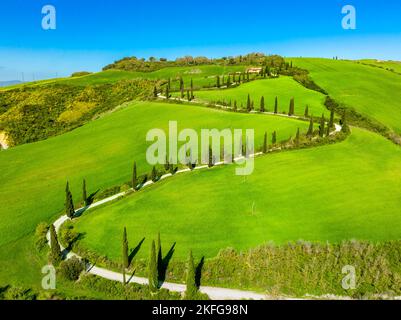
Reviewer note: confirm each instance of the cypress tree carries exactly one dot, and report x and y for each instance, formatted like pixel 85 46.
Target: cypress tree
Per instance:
pixel 248 104
pixel 182 88
pixel 167 92
pixel 192 288
pixel 331 122
pixel 171 168
pixel 262 104
pixel 274 137
pixel 211 162
pixel 218 81
pixel 344 124
pixel 306 114
pixel 188 96
pixel 228 81
pixel 291 110
pixel 84 196
pixel 69 204
pixel 155 91
pixel 125 249
pixel 134 177
pixel 276 106
pixel 235 105
pixel 55 251
pixel 310 129
pixel 166 164
pixel 265 149
pixel 297 138
pixel 192 90
pixel 152 271
pixel 321 127
pixel 154 174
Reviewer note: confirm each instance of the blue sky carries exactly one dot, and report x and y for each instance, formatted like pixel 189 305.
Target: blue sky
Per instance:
pixel 91 34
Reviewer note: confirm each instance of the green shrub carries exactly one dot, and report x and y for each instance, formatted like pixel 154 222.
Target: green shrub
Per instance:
pixel 16 293
pixel 71 269
pixel 40 235
pixel 80 73
pixel 68 235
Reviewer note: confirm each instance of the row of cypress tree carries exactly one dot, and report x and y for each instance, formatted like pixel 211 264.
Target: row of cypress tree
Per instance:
pixel 156 266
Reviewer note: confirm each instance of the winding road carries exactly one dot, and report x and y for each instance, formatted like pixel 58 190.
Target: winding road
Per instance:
pixel 214 293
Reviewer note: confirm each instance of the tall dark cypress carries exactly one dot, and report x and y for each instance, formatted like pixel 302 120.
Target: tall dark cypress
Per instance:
pixel 211 162
pixel 344 124
pixel 192 90
pixel 154 174
pixel 276 105
pixel 274 137
pixel 218 81
pixel 153 274
pixel 192 288
pixel 69 204
pixel 262 104
pixel 182 88
pixel 155 92
pixel 321 127
pixel 291 109
pixel 248 104
pixel 265 147
pixel 306 114
pixel 331 122
pixel 55 250
pixel 310 129
pixel 125 249
pixel 297 137
pixel 167 92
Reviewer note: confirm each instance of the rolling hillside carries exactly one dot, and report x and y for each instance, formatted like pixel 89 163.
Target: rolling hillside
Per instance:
pixel 34 175
pixel 284 88
pixel 330 193
pixel 373 92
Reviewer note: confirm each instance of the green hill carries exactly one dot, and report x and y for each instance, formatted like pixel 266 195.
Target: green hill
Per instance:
pixel 284 88
pixel 34 175
pixel 330 193
pixel 373 92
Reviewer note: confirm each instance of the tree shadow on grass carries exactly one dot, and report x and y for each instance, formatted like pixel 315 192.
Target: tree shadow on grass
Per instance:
pixel 91 198
pixel 135 251
pixel 198 272
pixel 164 262
pixel 70 246
pixel 89 201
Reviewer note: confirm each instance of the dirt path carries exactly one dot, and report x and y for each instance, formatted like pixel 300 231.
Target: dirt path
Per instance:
pixel 214 293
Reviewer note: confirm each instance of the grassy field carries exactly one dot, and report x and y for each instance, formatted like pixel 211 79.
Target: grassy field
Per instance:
pixel 34 175
pixel 284 88
pixel 329 193
pixel 389 65
pixel 201 75
pixel 373 92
